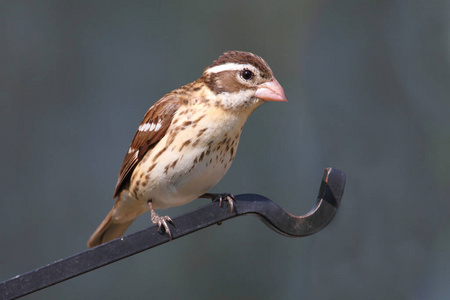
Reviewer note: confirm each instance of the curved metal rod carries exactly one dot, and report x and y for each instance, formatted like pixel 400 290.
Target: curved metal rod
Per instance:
pixel 328 200
pixel 272 214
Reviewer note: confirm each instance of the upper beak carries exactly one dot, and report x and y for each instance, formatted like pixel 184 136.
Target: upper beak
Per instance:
pixel 271 91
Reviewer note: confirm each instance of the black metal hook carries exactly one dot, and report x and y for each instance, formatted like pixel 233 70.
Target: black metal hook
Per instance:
pixel 330 194
pixel 328 200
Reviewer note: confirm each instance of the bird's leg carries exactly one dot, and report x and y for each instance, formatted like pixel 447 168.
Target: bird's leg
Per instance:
pixel 161 221
pixel 220 197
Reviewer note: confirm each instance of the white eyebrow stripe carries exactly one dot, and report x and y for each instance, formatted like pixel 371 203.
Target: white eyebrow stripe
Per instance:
pixel 228 67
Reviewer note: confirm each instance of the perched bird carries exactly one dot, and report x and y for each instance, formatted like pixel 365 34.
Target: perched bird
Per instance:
pixel 187 141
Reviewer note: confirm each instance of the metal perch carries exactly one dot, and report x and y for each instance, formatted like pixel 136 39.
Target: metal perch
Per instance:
pixel 269 212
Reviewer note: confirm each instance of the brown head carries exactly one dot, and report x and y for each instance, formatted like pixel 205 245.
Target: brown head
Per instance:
pixel 244 79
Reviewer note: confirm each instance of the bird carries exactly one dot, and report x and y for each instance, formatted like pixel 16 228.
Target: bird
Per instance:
pixel 186 142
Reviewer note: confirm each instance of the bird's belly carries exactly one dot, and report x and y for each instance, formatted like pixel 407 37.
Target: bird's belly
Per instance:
pixel 191 182
pixel 177 177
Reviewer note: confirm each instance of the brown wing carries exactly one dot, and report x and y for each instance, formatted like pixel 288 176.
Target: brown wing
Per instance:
pixel 152 129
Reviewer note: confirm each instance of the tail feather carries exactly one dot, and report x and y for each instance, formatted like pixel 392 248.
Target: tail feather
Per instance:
pixel 124 212
pixel 107 231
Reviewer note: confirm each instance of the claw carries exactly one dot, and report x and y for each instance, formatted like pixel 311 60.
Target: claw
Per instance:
pixel 161 221
pixel 220 197
pixel 230 198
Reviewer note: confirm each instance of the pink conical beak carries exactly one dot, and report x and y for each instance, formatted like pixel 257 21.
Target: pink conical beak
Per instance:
pixel 271 91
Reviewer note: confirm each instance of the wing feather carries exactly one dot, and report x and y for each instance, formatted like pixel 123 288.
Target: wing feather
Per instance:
pixel 153 127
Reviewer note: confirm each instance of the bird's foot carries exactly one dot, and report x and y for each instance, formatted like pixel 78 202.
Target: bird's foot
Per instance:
pixel 161 221
pixel 220 197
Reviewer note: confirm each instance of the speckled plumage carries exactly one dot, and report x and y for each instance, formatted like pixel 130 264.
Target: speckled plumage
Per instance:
pixel 187 140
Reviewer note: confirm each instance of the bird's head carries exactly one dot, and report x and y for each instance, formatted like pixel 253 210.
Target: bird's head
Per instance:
pixel 242 80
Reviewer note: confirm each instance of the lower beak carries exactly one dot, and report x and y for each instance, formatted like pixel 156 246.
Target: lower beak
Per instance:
pixel 271 91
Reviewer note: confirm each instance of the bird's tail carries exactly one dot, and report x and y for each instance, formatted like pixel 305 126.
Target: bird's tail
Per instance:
pixel 124 212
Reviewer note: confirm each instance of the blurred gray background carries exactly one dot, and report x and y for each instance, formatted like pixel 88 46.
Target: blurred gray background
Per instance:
pixel 368 84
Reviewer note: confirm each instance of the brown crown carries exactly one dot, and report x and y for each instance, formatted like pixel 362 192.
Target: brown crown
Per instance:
pixel 241 57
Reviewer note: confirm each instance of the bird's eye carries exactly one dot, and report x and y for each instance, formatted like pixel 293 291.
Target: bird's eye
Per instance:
pixel 247 74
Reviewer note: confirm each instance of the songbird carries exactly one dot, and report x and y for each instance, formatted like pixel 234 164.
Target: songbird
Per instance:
pixel 187 141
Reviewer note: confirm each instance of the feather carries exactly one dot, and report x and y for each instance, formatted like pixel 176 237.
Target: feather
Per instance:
pixel 153 127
